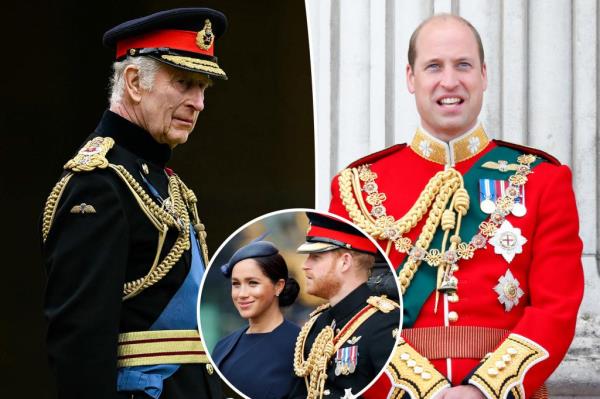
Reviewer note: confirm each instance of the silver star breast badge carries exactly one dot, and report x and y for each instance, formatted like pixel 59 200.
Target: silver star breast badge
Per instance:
pixel 508 241
pixel 508 290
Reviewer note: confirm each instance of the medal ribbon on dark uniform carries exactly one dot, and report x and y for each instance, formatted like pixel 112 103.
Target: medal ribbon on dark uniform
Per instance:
pixel 346 360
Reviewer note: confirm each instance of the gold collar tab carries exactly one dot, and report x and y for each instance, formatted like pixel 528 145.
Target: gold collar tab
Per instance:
pixel 457 150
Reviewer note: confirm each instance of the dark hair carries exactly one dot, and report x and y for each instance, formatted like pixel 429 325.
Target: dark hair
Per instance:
pixel 275 268
pixel 412 44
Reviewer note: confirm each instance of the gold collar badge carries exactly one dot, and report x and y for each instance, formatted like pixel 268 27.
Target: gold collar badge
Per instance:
pixel 205 38
pixel 460 149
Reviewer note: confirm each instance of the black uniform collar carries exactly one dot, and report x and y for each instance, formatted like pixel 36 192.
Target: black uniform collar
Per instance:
pixel 348 306
pixel 133 138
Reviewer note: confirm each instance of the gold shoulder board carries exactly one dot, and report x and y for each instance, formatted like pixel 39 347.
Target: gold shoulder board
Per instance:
pixel 91 156
pixel 382 303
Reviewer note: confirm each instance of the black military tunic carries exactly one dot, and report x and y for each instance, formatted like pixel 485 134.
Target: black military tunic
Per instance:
pixel 368 349
pixel 98 240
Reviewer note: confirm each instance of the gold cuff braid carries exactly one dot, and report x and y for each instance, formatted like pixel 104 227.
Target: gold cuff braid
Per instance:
pixel 504 370
pixel 414 374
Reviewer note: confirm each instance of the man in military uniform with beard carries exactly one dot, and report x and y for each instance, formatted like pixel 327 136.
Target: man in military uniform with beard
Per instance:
pixel 346 342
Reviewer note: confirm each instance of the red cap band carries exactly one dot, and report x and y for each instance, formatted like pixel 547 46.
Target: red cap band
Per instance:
pixel 358 243
pixel 183 40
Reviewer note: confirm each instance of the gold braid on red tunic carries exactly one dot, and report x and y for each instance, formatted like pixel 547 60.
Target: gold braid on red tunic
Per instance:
pixel 445 201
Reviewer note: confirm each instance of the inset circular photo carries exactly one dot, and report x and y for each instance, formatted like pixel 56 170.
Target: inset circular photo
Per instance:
pixel 299 303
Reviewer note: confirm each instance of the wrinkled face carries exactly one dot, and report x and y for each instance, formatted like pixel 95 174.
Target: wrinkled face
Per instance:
pixel 252 292
pixel 448 79
pixel 170 109
pixel 321 274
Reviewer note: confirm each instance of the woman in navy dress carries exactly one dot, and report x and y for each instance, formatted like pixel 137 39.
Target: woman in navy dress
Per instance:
pixel 258 359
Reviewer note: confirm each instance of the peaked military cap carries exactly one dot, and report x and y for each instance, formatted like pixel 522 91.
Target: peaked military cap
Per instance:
pixel 326 234
pixel 182 37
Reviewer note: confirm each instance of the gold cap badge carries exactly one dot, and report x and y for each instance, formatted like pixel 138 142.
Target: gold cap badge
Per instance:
pixel 205 37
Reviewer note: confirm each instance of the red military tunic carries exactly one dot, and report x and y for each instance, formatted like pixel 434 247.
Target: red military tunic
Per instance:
pixel 528 334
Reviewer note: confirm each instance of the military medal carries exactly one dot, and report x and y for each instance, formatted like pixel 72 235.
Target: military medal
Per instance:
pixel 508 241
pixel 508 290
pixel 519 209
pixel 490 190
pixel 345 360
pixel 487 196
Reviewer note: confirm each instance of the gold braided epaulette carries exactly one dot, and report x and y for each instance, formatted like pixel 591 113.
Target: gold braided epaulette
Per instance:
pixel 503 371
pixel 383 303
pixel 91 156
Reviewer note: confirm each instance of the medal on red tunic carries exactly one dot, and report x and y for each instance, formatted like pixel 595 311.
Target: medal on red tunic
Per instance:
pixel 487 196
pixel 508 290
pixel 508 241
pixel 490 190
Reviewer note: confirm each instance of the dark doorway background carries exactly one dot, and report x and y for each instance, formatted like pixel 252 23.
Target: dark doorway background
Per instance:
pixel 252 150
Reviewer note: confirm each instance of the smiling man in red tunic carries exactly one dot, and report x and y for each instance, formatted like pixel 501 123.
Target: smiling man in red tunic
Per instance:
pixel 483 233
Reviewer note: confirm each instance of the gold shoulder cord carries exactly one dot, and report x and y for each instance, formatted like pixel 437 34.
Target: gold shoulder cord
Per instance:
pixel 325 345
pixel 51 203
pixel 313 369
pixel 447 201
pixel 173 213
pixel 446 186
pixel 192 202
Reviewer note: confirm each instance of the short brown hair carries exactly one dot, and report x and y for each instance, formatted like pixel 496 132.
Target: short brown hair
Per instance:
pixel 412 44
pixel 361 259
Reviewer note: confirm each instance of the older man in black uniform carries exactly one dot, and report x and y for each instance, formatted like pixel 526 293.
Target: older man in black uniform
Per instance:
pixel 123 245
pixel 347 341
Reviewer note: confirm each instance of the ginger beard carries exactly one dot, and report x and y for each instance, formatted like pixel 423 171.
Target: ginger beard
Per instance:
pixel 321 275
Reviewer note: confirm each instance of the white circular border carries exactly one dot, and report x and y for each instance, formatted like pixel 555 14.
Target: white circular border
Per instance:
pixel 295 210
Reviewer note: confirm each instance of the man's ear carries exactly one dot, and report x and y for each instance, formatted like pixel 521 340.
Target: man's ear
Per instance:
pixel 131 76
pixel 345 262
pixel 410 79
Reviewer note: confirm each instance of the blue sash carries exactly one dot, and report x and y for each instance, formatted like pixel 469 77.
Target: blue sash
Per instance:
pixel 179 314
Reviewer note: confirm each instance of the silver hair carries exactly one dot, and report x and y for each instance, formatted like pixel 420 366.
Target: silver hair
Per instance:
pixel 147 70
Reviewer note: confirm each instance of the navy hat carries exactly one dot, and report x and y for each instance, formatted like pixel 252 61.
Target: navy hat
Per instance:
pixel 256 249
pixel 326 234
pixel 182 37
